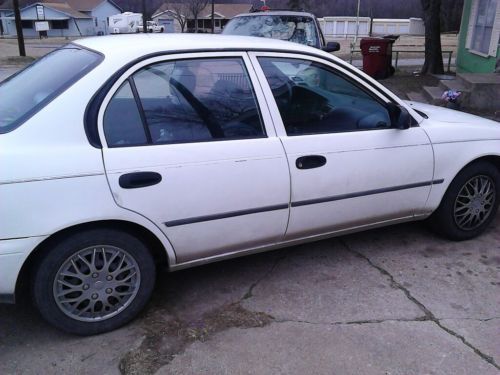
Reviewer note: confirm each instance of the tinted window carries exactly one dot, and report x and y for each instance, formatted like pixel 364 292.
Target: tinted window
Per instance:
pixel 122 120
pixel 299 29
pixel 314 99
pixel 31 89
pixel 195 100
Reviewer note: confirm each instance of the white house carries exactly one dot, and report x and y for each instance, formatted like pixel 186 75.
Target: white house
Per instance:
pixel 99 10
pixel 71 18
pixel 222 14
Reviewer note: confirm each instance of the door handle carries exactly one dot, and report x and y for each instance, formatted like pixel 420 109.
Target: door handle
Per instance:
pixel 139 179
pixel 310 161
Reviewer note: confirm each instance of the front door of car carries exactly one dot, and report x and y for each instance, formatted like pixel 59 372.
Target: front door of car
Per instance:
pixel 349 167
pixel 186 145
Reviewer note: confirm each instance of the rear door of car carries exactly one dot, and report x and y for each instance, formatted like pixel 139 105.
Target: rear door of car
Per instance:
pixel 349 167
pixel 187 145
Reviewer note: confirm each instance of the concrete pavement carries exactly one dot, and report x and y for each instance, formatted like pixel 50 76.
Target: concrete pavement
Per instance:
pixel 397 300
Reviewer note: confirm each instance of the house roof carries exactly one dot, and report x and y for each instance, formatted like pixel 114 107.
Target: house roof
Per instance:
pixel 63 8
pixel 224 10
pixel 84 5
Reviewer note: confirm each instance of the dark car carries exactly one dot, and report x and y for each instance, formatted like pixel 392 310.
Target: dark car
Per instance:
pixel 299 27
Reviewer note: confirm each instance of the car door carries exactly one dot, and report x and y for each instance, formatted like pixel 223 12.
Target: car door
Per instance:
pixel 349 167
pixel 187 146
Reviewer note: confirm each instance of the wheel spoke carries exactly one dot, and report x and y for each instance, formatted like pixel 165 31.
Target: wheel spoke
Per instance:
pixel 87 289
pixel 474 202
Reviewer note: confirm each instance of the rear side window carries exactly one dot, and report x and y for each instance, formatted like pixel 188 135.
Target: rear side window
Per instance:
pixel 184 101
pixel 28 91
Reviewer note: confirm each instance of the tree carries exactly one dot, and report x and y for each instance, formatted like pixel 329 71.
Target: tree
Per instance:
pixel 195 7
pixel 433 54
pixel 297 4
pixel 179 12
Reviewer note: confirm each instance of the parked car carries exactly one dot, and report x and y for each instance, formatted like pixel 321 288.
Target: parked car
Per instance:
pixel 190 149
pixel 293 26
pixel 152 27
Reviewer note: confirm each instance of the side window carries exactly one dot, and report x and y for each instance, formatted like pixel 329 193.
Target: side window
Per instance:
pixel 191 101
pixel 122 120
pixel 313 99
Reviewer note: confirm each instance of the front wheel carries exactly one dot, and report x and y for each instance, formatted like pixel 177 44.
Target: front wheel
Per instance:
pixel 470 204
pixel 94 281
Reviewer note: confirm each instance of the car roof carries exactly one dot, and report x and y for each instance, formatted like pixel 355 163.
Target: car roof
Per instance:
pixel 277 13
pixel 132 46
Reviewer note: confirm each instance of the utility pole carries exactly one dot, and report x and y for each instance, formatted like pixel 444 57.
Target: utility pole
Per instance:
pixel 19 28
pixel 213 17
pixel 357 24
pixel 353 44
pixel 144 22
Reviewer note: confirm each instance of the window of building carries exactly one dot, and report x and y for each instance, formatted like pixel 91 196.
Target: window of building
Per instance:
pixel 27 24
pixel 483 27
pixel 59 24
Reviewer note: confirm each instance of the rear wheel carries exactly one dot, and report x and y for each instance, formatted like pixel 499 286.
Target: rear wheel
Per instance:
pixel 94 281
pixel 470 204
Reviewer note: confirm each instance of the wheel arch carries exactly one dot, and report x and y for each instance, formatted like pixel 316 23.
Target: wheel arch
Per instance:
pixel 151 240
pixel 491 158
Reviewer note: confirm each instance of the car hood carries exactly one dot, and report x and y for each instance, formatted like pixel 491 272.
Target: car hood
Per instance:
pixel 447 125
pixel 442 114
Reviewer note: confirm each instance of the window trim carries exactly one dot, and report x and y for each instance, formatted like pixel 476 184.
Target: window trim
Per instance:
pixel 340 71
pixel 495 33
pixel 127 73
pixel 92 111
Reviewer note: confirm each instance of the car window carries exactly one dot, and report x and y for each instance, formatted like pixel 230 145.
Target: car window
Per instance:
pixel 192 101
pixel 313 99
pixel 122 119
pixel 299 29
pixel 28 91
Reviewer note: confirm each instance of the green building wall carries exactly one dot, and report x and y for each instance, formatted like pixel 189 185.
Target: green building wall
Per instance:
pixel 469 62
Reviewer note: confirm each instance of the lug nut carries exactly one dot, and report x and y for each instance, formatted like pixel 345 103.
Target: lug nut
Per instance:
pixel 95 274
pixel 85 287
pixel 94 296
pixel 109 290
pixel 109 277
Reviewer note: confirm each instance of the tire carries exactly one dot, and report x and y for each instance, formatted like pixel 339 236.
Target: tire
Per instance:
pixel 465 212
pixel 94 281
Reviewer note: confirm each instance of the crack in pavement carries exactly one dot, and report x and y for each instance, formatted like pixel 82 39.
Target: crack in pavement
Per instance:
pixel 249 293
pixel 352 322
pixel 428 314
pixel 154 353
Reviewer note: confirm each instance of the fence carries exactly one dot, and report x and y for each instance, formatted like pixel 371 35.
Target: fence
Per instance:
pixel 343 27
pixel 396 60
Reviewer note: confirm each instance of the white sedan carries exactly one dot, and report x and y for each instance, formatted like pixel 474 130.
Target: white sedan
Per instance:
pixel 122 153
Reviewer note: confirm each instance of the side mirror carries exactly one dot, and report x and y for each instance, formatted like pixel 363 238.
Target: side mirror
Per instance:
pixel 400 118
pixel 331 47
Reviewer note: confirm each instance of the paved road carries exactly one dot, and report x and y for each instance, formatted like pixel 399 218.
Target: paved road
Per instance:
pixel 397 300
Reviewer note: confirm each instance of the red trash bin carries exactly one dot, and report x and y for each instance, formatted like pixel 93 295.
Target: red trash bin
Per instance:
pixel 377 57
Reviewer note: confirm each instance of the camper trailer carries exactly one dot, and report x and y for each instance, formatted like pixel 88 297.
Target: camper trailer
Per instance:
pixel 125 23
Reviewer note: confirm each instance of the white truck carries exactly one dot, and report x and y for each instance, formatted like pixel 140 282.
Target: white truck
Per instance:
pixel 153 27
pixel 125 23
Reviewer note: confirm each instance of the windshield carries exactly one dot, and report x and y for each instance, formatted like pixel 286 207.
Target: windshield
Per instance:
pixel 299 29
pixel 28 91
